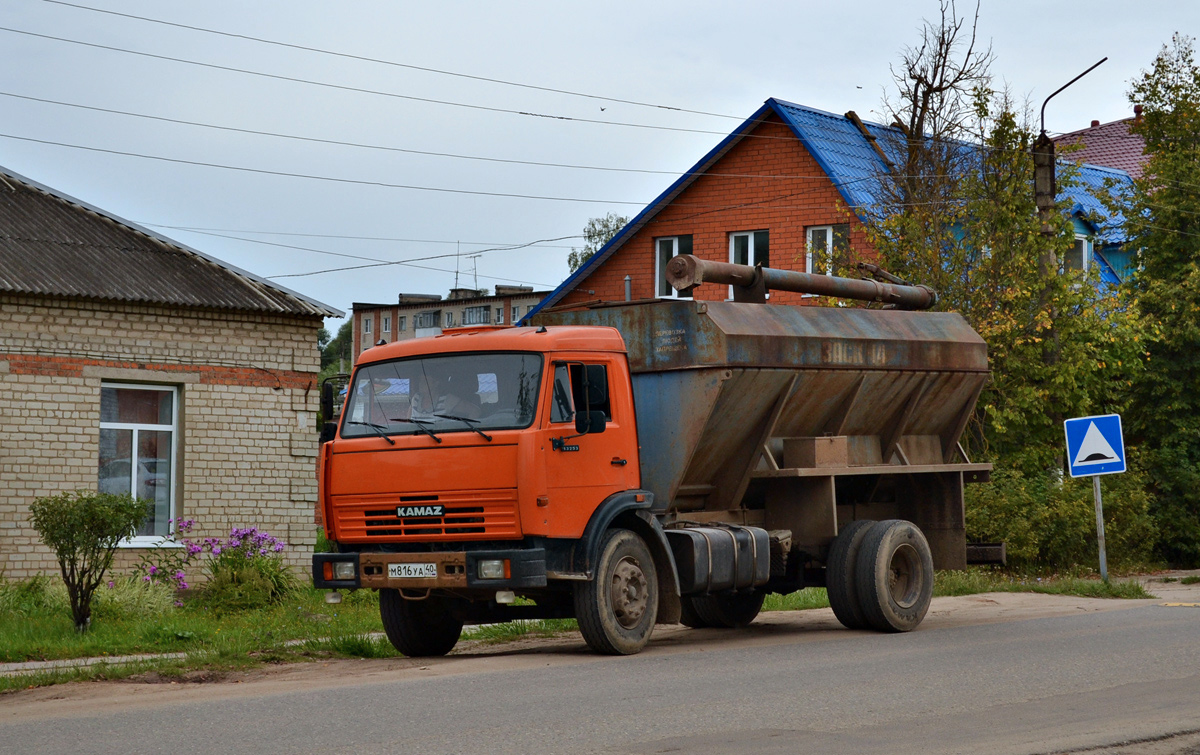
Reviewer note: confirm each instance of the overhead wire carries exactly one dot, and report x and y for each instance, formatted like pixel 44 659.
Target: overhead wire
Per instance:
pixel 364 90
pixel 364 58
pixel 385 148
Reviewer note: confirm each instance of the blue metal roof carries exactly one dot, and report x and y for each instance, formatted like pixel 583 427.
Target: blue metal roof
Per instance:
pixel 853 165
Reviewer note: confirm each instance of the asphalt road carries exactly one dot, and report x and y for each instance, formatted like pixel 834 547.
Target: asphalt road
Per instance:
pixel 974 678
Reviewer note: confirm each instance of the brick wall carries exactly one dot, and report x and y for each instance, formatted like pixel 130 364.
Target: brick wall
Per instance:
pixel 248 400
pixel 766 182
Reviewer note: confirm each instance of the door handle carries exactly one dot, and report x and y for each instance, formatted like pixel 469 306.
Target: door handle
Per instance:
pixel 618 462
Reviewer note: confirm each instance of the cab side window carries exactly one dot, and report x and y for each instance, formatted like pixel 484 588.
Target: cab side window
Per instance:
pixel 562 406
pixel 596 399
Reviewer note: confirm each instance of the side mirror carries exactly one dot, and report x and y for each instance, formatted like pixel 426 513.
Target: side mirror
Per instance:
pixel 328 432
pixel 589 422
pixel 327 400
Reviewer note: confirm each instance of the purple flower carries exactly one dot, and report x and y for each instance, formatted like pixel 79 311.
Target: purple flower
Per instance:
pixel 279 547
pixel 146 578
pixel 216 550
pixel 110 584
pixel 179 604
pixel 154 570
pixel 182 586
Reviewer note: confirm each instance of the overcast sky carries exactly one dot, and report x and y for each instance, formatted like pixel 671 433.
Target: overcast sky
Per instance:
pixel 721 59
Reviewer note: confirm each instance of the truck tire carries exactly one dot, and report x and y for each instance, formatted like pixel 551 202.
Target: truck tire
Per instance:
pixel 895 576
pixel 840 575
pixel 419 628
pixel 729 611
pixel 616 609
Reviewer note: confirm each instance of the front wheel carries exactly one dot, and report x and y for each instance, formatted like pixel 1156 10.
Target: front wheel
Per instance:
pixel 616 610
pixel 419 628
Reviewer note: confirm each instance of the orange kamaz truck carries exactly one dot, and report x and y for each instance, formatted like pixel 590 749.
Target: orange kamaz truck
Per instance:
pixel 654 462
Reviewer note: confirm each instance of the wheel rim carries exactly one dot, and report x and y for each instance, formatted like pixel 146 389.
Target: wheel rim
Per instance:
pixel 904 582
pixel 629 592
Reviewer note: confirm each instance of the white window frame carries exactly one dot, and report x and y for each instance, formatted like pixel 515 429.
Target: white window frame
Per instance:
pixel 660 273
pixel 516 313
pixel 808 247
pixel 499 315
pixel 476 315
pixel 401 324
pixel 151 541
pixel 367 325
pixel 449 319
pixel 387 323
pixel 1088 249
pixel 752 254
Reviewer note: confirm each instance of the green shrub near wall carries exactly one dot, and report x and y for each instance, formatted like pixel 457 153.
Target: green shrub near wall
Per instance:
pixel 1049 522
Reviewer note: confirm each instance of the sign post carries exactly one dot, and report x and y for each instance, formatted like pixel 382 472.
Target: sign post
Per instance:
pixel 1095 446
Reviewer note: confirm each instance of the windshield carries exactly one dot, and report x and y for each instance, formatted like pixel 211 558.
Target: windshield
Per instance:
pixel 443 394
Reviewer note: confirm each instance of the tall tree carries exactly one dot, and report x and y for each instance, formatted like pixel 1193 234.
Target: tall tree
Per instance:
pixel 1163 222
pixel 597 233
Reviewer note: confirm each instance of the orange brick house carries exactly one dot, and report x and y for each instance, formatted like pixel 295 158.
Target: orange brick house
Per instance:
pixel 786 189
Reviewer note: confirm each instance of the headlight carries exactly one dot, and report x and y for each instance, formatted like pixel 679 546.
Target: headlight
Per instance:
pixel 343 570
pixel 491 569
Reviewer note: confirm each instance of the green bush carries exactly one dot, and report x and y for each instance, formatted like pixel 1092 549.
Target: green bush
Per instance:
pixel 1048 522
pixel 83 529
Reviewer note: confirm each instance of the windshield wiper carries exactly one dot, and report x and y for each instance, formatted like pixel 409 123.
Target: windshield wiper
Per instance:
pixel 379 429
pixel 469 423
pixel 420 423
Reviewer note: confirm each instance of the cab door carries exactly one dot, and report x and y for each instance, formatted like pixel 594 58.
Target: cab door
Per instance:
pixel 582 469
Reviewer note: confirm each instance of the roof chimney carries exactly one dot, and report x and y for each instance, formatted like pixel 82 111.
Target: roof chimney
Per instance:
pixel 1137 112
pixel 1095 124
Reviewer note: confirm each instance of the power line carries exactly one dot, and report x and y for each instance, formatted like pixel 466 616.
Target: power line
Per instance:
pixel 334 179
pixel 195 229
pixel 363 90
pixel 503 248
pixel 386 148
pixel 391 62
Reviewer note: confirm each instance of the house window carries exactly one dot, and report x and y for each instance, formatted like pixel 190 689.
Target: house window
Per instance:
pixel 749 248
pixel 1080 256
pixel 499 315
pixel 476 315
pixel 427 319
pixel 387 323
pixel 367 326
pixel 138 449
pixel 516 313
pixel 529 309
pixel 449 320
pixel 828 247
pixel 401 324
pixel 664 250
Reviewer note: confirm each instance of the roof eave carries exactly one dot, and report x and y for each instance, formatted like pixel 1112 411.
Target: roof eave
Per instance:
pixel 652 209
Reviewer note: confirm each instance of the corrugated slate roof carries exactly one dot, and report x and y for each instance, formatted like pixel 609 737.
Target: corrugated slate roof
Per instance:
pixel 850 161
pixel 55 245
pixel 1109 144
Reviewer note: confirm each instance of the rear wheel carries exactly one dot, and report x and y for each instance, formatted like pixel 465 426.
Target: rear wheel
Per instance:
pixel 894 576
pixel 419 627
pixel 729 611
pixel 840 571
pixel 616 610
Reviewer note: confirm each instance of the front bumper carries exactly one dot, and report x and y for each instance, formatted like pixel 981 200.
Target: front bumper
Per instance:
pixel 454 570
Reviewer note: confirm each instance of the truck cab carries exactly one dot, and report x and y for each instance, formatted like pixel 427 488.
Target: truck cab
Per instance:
pixel 466 469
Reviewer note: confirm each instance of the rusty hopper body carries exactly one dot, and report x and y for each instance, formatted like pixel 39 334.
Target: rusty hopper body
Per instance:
pixel 798 418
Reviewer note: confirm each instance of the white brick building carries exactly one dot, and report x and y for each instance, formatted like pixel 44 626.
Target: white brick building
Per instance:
pixel 131 363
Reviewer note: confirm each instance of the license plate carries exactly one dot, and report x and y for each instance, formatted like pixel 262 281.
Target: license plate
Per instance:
pixel 412 571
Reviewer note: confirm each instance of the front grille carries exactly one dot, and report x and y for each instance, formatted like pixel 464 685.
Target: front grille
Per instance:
pixel 460 520
pixel 474 515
